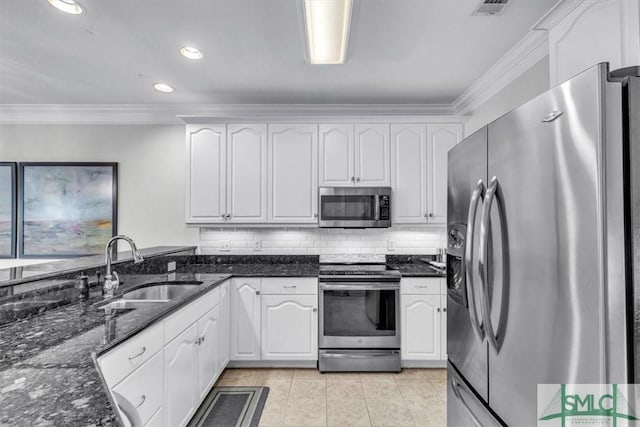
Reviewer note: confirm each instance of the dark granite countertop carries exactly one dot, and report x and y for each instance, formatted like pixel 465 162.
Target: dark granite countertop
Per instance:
pixel 414 265
pixel 29 273
pixel 47 372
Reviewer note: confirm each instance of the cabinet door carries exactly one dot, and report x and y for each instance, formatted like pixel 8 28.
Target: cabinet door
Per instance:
pixel 180 365
pixel 408 173
pixel 421 318
pixel 293 173
pixel 245 319
pixel 206 173
pixel 207 346
pixel 247 173
pixel 289 327
pixel 441 137
pixel 336 155
pixel 224 348
pixel 443 329
pixel 372 153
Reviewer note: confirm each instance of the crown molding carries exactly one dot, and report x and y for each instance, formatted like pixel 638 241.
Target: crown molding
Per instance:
pixel 104 114
pixel 557 14
pixel 527 52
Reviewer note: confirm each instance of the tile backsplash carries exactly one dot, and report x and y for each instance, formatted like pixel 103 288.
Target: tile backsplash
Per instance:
pixel 316 241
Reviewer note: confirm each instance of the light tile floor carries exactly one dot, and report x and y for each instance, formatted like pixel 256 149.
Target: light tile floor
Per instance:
pixel 305 397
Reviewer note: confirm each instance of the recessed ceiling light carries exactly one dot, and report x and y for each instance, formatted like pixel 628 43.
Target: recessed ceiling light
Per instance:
pixel 327 30
pixel 162 87
pixel 68 6
pixel 191 52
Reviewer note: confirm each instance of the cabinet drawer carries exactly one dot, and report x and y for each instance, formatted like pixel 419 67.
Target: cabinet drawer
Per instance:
pixel 185 316
pixel 290 285
pixel 126 357
pixel 420 285
pixel 143 388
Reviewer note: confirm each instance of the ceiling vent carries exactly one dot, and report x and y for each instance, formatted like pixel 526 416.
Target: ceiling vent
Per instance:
pixel 490 7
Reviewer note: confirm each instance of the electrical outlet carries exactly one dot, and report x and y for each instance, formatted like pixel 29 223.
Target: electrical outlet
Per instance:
pixel 171 277
pixel 171 266
pixel 391 245
pixel 226 246
pixel 257 245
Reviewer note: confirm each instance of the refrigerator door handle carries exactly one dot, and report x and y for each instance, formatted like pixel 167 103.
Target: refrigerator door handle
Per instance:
pixel 476 197
pixel 458 396
pixel 493 335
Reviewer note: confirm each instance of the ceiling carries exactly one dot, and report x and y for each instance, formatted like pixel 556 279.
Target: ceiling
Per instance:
pixel 400 52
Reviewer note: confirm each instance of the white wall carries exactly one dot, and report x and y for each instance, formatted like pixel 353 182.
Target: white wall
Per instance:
pixel 314 241
pixel 527 86
pixel 151 171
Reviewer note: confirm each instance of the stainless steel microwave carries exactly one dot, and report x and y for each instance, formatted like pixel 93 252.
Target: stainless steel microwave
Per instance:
pixel 355 207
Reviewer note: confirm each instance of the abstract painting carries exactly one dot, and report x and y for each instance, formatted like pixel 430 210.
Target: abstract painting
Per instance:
pixel 7 210
pixel 66 209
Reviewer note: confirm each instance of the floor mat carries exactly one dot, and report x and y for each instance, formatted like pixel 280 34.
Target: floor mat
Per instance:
pixel 231 406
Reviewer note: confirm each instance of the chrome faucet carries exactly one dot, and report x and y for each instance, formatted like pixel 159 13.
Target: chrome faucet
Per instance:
pixel 111 279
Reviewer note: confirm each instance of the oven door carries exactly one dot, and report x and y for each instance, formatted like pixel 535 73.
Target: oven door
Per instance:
pixel 359 315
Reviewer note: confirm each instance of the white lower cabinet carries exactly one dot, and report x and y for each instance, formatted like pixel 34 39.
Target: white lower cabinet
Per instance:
pixel 180 377
pixel 162 374
pixel 289 327
pixel 423 319
pixel 274 319
pixel 245 319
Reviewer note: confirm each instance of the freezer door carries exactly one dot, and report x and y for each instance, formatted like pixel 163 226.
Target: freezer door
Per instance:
pixel 463 407
pixel 544 262
pixel 466 347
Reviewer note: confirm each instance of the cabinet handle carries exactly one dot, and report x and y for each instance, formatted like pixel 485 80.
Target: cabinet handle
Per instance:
pixel 289 286
pixel 444 309
pixel 141 401
pixel 358 179
pixel 353 179
pixel 228 216
pixel 139 354
pixel 257 292
pixel 430 214
pixel 422 286
pixel 438 309
pixel 201 339
pixel 315 310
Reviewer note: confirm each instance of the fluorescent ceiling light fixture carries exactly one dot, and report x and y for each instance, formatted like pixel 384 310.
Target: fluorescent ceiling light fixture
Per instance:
pixel 68 6
pixel 162 87
pixel 327 30
pixel 191 52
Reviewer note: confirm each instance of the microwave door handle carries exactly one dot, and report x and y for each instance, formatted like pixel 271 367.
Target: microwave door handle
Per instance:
pixel 376 208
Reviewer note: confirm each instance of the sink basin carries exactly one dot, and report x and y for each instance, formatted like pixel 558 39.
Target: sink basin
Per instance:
pixel 161 291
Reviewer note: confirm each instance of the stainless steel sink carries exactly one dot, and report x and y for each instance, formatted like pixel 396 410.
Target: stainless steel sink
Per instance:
pixel 161 291
pixel 121 304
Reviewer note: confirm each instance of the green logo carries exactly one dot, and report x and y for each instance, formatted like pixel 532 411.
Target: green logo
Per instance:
pixel 588 407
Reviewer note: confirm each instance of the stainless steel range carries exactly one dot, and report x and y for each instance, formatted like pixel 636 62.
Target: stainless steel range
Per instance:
pixel 359 327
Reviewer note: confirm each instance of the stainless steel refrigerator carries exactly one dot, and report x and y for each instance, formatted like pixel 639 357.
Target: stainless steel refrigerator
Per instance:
pixel 543 230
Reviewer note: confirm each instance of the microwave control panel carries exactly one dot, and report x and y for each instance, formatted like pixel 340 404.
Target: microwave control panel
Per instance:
pixel 384 208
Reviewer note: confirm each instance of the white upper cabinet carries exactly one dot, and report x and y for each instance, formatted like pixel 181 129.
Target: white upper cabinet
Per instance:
pixel 409 173
pixel 293 174
pixel 336 155
pixel 372 152
pixel 206 174
pixel 247 173
pixel 441 137
pixel 227 174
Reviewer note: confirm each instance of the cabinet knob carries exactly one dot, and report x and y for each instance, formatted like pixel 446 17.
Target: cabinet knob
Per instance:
pixel 315 310
pixel 315 215
pixel 438 309
pixel 257 292
pixel 228 215
pixel 358 179
pixel 353 179
pixel 426 215
pixel 431 215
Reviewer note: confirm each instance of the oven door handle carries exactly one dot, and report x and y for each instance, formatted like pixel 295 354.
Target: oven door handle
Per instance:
pixel 357 356
pixel 367 287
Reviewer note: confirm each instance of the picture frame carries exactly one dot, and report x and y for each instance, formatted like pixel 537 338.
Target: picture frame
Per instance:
pixel 66 209
pixel 8 206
